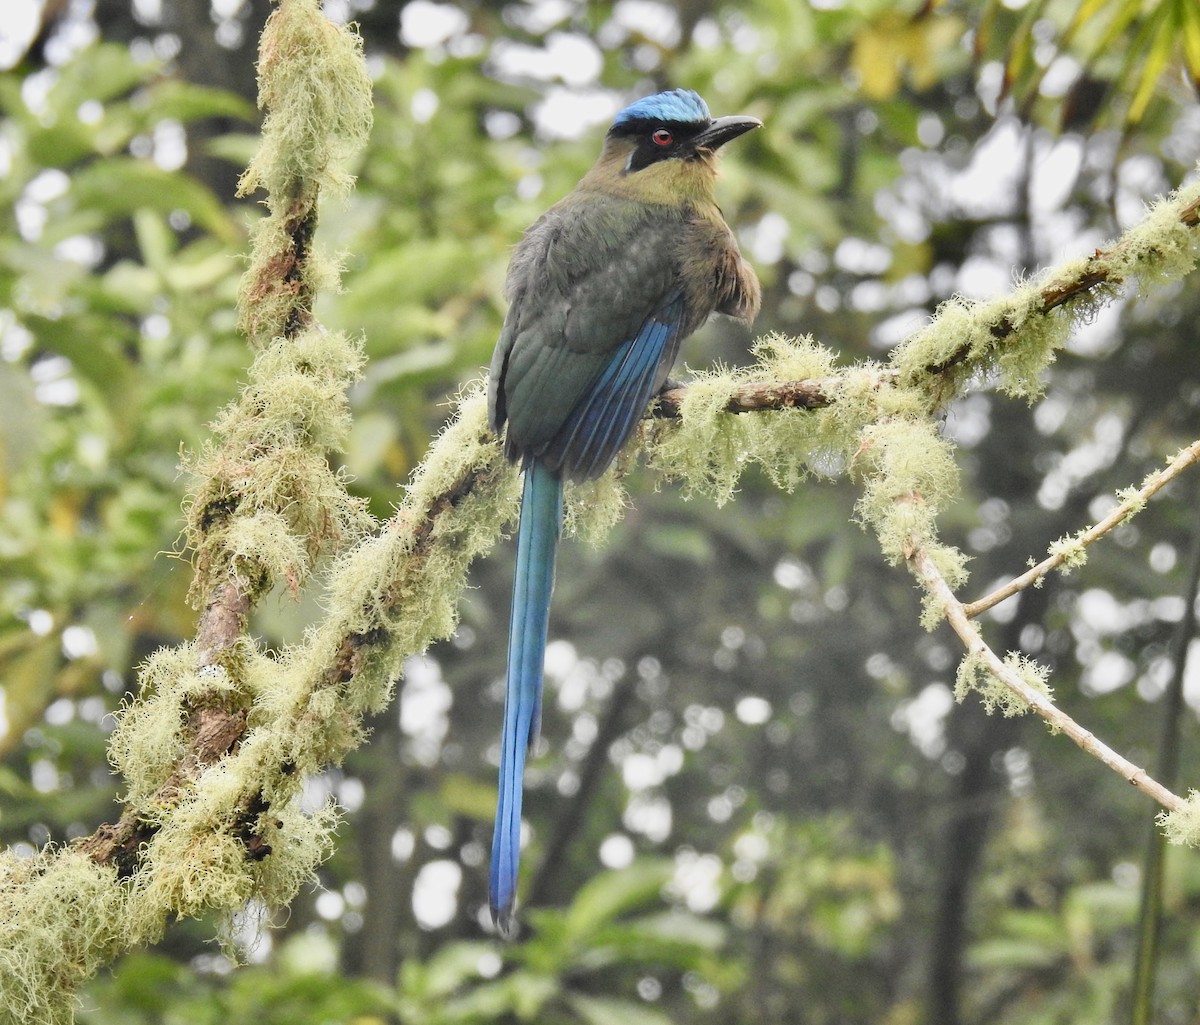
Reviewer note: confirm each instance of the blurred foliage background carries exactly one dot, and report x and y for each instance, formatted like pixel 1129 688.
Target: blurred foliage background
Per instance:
pixel 756 798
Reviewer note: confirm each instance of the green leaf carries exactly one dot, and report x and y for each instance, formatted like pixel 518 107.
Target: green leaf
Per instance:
pixel 93 355
pixel 237 147
pixel 523 994
pixel 465 795
pixel 451 966
pixel 608 1011
pixel 994 954
pixel 100 73
pixel 1151 59
pixel 186 101
pixel 121 185
pixel 155 238
pixel 611 894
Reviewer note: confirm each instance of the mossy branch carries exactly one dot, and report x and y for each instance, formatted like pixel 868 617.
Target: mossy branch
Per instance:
pixel 1011 340
pixel 212 773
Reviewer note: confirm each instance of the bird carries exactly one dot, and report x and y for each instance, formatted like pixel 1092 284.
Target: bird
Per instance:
pixel 602 289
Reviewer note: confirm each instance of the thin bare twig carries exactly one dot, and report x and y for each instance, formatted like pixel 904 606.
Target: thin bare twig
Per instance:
pixel 931 579
pixel 1126 510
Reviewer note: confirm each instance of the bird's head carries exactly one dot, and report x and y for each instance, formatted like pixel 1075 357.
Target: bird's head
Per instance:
pixel 674 125
pixel 667 141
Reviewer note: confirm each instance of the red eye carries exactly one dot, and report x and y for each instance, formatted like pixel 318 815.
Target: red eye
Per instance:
pixel 662 137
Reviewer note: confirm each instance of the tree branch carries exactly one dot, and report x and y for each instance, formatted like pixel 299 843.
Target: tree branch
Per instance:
pixel 927 573
pixel 1071 551
pixel 755 397
pixel 1108 266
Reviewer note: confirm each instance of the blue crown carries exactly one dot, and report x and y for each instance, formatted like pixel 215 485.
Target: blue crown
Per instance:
pixel 674 105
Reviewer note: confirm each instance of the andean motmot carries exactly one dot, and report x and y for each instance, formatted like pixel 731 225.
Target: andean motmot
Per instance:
pixel 602 288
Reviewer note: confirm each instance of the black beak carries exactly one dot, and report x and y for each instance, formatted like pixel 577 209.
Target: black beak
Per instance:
pixel 722 129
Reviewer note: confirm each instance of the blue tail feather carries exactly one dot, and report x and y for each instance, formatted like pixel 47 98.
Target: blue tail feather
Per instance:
pixel 537 544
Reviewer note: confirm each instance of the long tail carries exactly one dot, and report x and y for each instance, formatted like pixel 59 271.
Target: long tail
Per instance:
pixel 537 544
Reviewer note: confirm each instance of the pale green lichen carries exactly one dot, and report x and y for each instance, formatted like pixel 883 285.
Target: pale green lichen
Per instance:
pixel 297 388
pixel 908 476
pixel 1134 499
pixel 1011 340
pixel 972 670
pixel 951 564
pixel 879 431
pixel 147 742
pixel 975 674
pixel 1072 551
pixel 702 449
pixel 314 84
pixel 267 502
pixel 969 340
pixel 407 579
pixel 788 358
pixel 265 507
pixel 593 508
pixel 197 859
pixel 706 449
pixel 300 841
pixel 1160 248
pixel 1182 826
pixel 264 542
pixel 61 918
